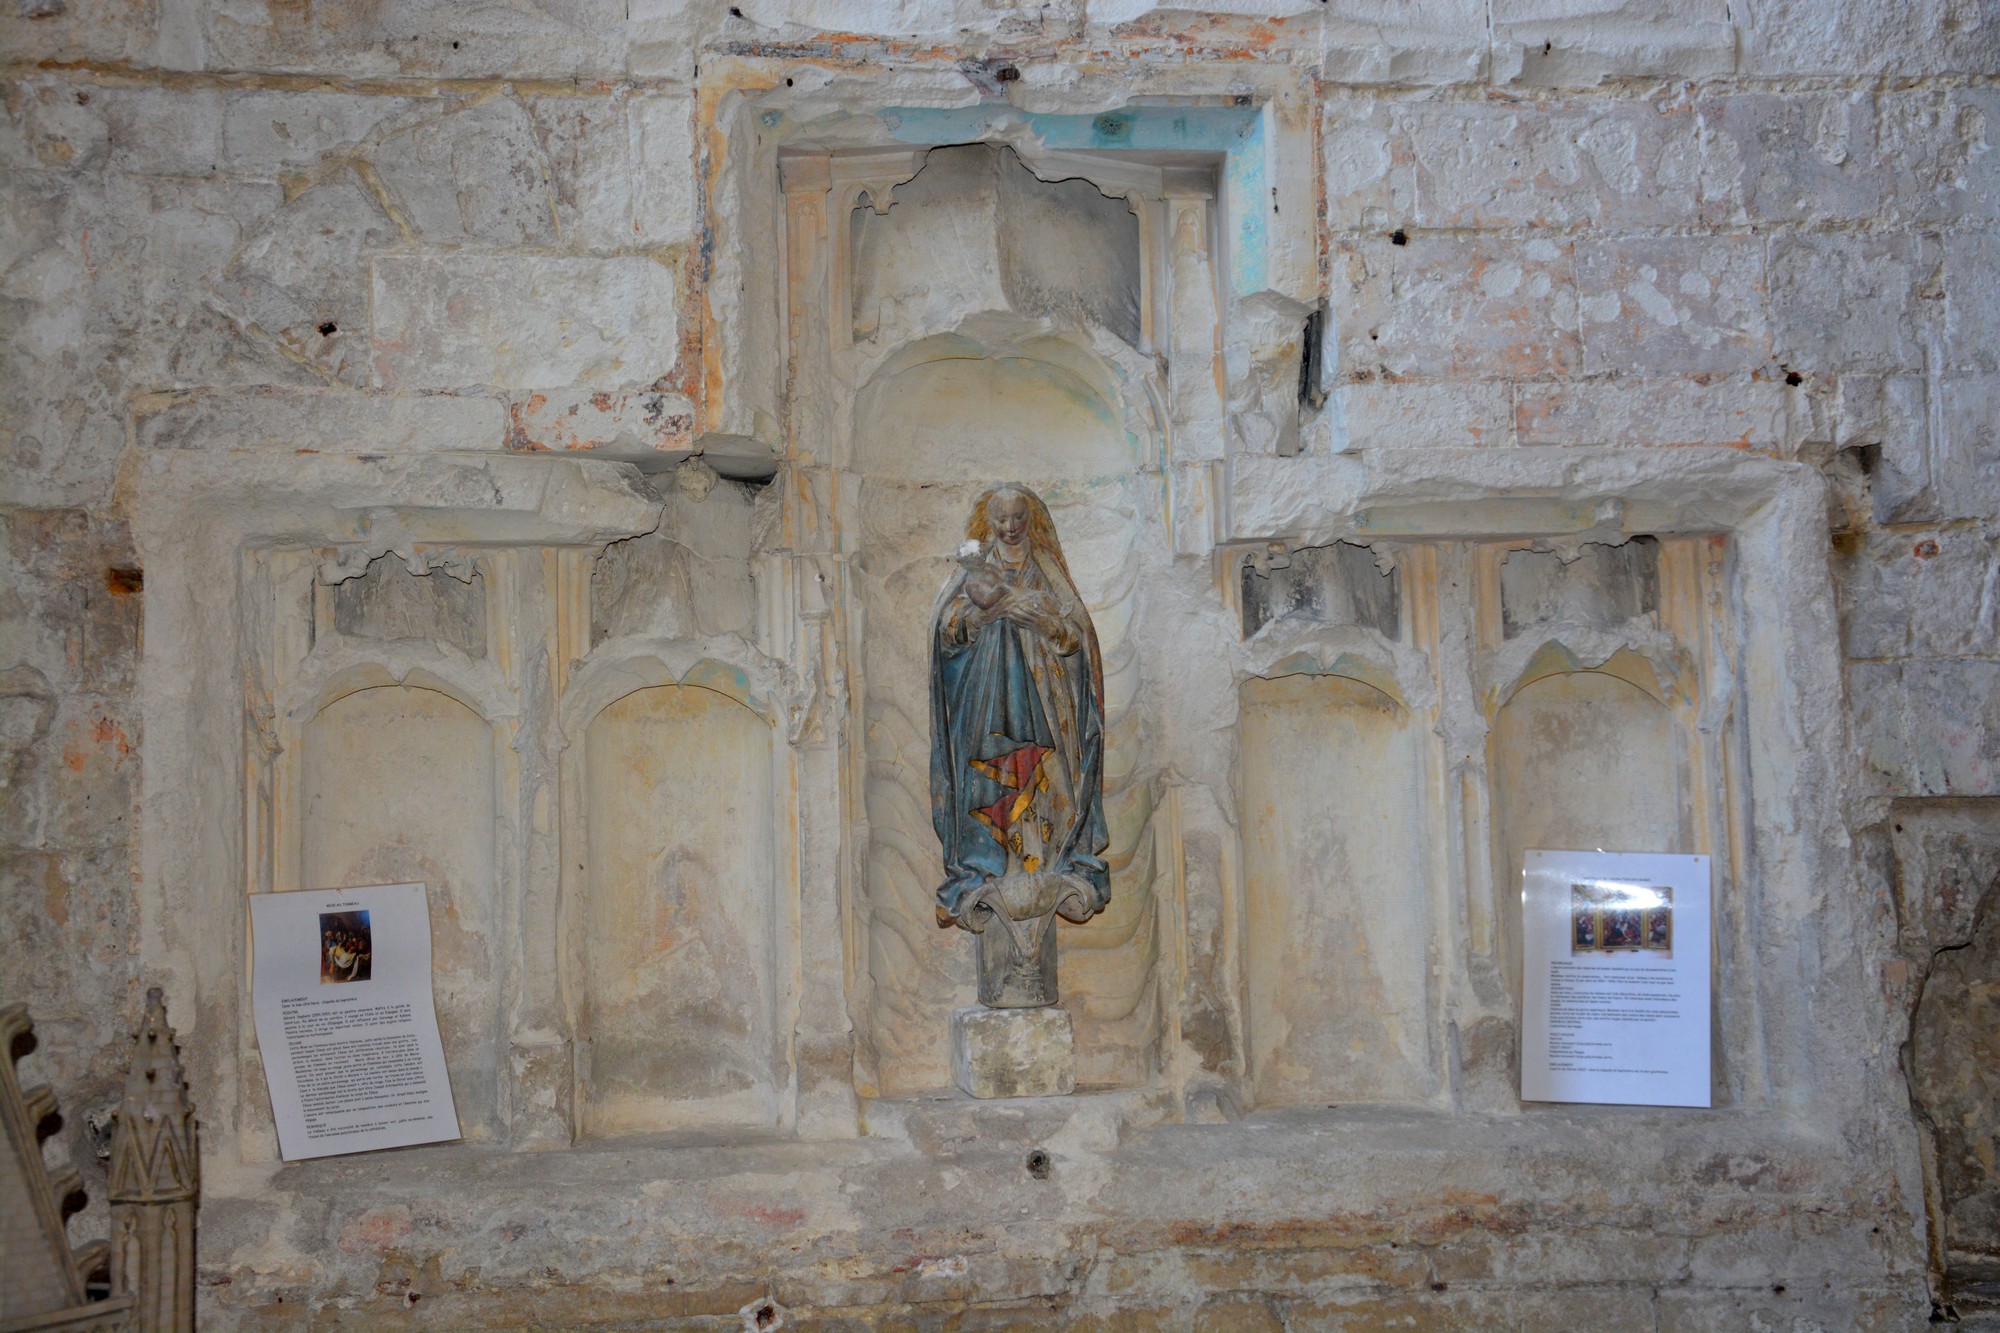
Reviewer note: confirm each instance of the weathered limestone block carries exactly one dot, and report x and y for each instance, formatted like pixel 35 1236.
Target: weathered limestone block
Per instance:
pixel 585 144
pixel 302 279
pixel 1947 860
pixel 1013 1052
pixel 1965 463
pixel 1370 180
pixel 1426 416
pixel 272 131
pixel 46 126
pixel 74 609
pixel 1456 307
pixel 661 129
pixel 79 30
pixel 473 175
pixel 1819 158
pixel 418 37
pixel 327 421
pixel 1740 412
pixel 1673 304
pixel 1946 880
pixel 1580 43
pixel 522 320
pixel 1862 38
pixel 1403 44
pixel 164 131
pixel 1849 302
pixel 619 424
pixel 1596 163
pixel 1928 728
pixel 1923 593
pixel 908 18
pixel 1890 415
pixel 1972 301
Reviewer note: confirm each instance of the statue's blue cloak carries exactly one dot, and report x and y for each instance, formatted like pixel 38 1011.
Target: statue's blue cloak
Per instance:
pixel 993 722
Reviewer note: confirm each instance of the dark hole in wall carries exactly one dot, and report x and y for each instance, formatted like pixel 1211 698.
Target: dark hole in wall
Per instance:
pixel 124 581
pixel 1312 343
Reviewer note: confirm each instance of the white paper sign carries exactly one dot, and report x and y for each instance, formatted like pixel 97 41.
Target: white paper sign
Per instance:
pixel 341 988
pixel 1615 984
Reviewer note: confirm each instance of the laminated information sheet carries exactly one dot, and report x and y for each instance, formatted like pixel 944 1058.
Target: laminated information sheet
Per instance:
pixel 341 986
pixel 1615 978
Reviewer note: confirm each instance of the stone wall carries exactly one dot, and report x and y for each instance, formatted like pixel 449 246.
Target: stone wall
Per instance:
pixel 1733 266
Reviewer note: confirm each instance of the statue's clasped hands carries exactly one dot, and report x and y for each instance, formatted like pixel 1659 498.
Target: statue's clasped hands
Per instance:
pixel 1025 606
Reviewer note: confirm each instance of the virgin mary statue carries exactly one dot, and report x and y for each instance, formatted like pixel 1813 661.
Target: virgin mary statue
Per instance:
pixel 1017 720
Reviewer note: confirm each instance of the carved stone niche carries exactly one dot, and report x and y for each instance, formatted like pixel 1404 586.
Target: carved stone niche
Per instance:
pixel 584 750
pixel 988 314
pixel 1389 783
pixel 1344 933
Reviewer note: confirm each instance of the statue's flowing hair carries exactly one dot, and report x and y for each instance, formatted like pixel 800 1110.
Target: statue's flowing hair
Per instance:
pixel 1041 528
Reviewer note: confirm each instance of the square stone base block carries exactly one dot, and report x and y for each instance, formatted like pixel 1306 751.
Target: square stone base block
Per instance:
pixel 1013 1052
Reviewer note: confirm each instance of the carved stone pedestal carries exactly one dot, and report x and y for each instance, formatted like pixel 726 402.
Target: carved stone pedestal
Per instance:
pixel 1013 1052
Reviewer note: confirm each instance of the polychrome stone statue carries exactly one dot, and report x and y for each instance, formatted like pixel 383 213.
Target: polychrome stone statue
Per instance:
pixel 1017 748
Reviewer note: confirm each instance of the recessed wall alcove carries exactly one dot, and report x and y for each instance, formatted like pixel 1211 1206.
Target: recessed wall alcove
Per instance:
pixel 398 786
pixel 672 962
pixel 1038 378
pixel 573 746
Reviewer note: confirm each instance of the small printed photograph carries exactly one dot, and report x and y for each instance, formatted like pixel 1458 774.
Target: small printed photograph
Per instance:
pixel 1624 928
pixel 346 947
pixel 1660 923
pixel 1583 928
pixel 1620 918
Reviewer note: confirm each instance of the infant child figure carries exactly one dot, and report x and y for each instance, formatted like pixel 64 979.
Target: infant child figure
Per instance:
pixel 982 581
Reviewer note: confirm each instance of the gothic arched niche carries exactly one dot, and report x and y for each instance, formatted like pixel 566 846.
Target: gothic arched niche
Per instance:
pixel 941 422
pixel 1586 759
pixel 1341 933
pixel 397 788
pixel 677 1003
